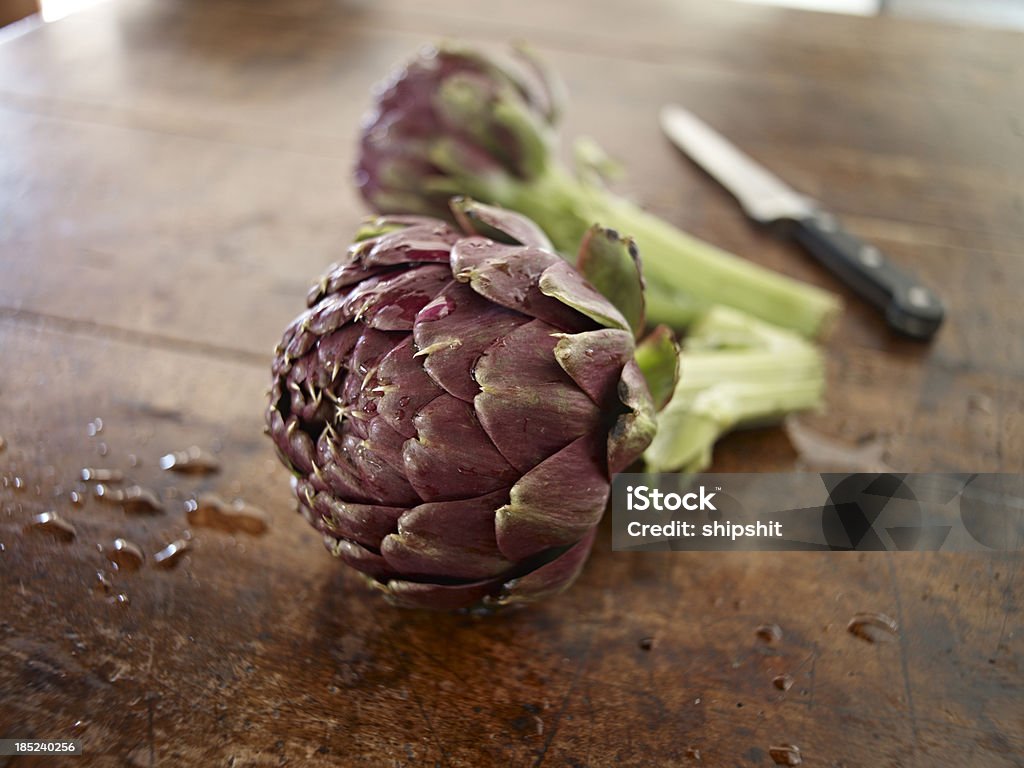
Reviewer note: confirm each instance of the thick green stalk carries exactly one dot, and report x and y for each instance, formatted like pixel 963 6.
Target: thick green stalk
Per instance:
pixel 685 275
pixel 735 372
pixel 676 310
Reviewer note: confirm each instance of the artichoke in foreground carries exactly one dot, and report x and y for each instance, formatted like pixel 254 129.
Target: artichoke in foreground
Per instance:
pixel 454 121
pixel 453 408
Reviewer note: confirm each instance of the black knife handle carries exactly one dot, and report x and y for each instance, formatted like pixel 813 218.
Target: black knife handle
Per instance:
pixel 909 307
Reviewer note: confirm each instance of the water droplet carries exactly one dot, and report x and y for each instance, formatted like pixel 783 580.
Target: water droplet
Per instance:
pixel 873 627
pixel 133 460
pixel 782 682
pixel 979 402
pixel 77 498
pixel 18 483
pixel 94 427
pixel 107 494
pixel 769 633
pixel 126 555
pixel 102 475
pixel 103 582
pixel 693 753
pixel 137 499
pixel 79 726
pixel 112 669
pixel 53 524
pixel 820 452
pixel 120 599
pixel 134 498
pixel 171 555
pixel 102 449
pixel 191 461
pixel 785 754
pixel 211 511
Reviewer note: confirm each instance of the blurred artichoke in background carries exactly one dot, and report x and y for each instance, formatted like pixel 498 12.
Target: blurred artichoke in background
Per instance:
pixel 452 409
pixel 456 118
pixel 456 121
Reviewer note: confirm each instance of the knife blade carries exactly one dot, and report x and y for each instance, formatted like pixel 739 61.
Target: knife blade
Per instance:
pixel 909 307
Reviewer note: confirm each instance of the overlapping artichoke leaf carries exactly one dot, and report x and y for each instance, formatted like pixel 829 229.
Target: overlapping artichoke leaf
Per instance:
pixel 611 263
pixel 657 356
pixel 498 224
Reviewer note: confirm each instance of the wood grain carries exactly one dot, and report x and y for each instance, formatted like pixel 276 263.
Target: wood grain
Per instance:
pixel 175 175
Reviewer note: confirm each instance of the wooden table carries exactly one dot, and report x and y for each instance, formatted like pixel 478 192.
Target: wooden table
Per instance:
pixel 173 176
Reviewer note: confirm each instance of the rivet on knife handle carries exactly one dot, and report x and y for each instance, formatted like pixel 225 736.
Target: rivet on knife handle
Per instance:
pixel 909 307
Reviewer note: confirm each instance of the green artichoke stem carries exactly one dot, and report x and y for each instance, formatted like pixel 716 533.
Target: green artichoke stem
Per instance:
pixel 735 372
pixel 685 275
pixel 676 310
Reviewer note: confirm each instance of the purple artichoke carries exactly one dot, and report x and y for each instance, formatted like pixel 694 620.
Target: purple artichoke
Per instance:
pixel 453 408
pixel 458 121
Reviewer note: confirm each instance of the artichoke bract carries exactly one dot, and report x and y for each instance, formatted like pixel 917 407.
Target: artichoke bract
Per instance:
pixel 456 121
pixel 452 409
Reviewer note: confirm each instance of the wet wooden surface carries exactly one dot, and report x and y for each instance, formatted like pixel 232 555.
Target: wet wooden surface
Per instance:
pixel 173 175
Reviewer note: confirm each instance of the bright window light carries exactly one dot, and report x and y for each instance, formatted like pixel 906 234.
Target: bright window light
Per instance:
pixel 52 10
pixel 858 7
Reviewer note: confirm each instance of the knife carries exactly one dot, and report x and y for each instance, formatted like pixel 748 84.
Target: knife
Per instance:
pixel 909 307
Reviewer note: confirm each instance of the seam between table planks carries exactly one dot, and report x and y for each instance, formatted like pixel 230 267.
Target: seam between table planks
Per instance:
pixel 635 49
pixel 28 105
pixel 93 329
pixel 37 106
